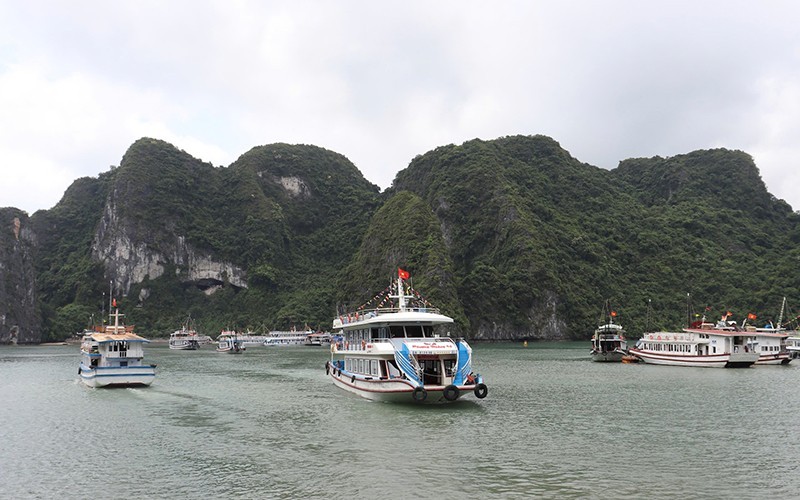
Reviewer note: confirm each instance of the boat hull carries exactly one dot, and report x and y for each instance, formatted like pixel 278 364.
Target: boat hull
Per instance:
pixel 113 376
pixel 703 361
pixel 230 350
pixel 396 390
pixel 608 357
pixel 774 359
pixel 184 347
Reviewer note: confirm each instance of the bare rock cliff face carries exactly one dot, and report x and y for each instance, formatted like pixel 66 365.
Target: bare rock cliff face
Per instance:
pixel 19 315
pixel 130 257
pixel 544 324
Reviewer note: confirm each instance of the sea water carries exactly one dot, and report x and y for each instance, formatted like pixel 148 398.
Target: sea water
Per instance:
pixel 269 424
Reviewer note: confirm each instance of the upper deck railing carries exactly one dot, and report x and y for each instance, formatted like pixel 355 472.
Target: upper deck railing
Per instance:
pixel 363 314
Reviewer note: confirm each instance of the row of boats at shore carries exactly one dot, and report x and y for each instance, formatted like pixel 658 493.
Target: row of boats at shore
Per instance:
pixel 187 339
pixel 720 344
pixel 393 350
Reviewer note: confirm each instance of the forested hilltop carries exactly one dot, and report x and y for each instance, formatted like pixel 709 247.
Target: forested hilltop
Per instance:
pixel 512 237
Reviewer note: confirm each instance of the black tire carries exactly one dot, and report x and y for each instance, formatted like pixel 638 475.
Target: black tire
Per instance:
pixel 327 368
pixel 481 391
pixel 353 379
pixel 419 394
pixel 451 393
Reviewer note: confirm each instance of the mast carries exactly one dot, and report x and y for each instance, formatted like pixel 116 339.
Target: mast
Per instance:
pixel 780 315
pixel 401 297
pixel 688 311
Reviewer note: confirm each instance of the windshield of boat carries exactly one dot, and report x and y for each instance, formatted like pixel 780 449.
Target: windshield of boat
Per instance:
pixel 412 331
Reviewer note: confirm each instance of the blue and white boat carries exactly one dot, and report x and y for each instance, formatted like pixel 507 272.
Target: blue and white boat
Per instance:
pixel 185 339
pixel 229 341
pixel 398 354
pixel 113 356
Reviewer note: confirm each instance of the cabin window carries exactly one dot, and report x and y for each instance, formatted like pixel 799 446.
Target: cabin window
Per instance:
pixel 397 331
pixel 414 331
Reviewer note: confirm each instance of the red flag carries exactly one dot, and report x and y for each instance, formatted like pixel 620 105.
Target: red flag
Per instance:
pixel 113 302
pixel 751 316
pixel 402 274
pixel 614 313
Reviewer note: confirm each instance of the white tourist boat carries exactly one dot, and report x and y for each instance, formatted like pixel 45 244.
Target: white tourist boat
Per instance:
pixel 793 346
pixel 720 345
pixel 608 341
pixel 318 339
pixel 396 354
pixel 772 341
pixel 113 356
pixel 229 342
pixel 277 338
pixel 185 339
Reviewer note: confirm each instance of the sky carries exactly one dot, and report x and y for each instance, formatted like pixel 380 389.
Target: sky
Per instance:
pixel 384 81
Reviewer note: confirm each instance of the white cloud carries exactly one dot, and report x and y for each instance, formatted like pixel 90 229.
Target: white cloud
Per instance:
pixel 382 83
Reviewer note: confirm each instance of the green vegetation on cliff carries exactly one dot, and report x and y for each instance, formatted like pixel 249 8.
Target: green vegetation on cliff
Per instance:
pixel 512 237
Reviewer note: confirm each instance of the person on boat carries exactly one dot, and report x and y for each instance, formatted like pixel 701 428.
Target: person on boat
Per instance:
pixel 471 378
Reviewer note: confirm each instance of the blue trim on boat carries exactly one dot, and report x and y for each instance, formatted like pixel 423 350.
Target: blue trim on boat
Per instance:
pixel 464 363
pixel 403 358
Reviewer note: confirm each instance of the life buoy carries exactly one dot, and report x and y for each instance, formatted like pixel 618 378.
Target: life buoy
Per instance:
pixel 481 391
pixel 419 394
pixel 451 393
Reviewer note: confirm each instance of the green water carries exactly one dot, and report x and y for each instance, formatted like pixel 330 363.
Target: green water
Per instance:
pixel 268 424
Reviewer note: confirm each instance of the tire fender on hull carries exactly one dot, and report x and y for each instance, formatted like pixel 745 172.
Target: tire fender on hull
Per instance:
pixel 481 391
pixel 419 394
pixel 451 393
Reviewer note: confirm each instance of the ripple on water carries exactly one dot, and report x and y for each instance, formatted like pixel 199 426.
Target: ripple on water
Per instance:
pixel 269 424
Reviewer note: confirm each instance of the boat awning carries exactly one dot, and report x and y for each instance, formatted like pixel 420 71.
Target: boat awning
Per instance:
pixel 117 337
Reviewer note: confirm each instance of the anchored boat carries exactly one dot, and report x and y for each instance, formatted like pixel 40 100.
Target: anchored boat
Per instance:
pixel 185 339
pixel 608 341
pixel 393 352
pixel 721 345
pixel 113 356
pixel 229 342
pixel 773 343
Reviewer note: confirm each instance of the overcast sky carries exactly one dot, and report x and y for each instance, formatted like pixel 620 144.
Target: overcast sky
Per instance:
pixel 383 81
